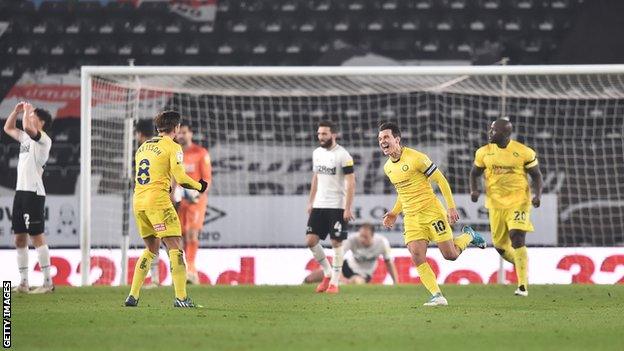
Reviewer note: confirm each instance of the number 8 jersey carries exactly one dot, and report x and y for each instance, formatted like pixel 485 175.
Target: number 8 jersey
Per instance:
pixel 156 161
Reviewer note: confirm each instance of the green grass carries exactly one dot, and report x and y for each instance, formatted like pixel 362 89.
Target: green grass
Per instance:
pixel 578 317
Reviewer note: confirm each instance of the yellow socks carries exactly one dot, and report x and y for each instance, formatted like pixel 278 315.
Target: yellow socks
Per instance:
pixel 428 278
pixel 462 241
pixel 178 273
pixel 140 272
pixel 521 263
pixel 507 253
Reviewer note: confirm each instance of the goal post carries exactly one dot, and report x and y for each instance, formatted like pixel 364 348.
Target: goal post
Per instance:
pixel 257 119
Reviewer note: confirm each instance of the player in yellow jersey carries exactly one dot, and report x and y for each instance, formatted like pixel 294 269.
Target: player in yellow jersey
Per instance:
pixel 425 218
pixel 505 163
pixel 144 131
pixel 156 161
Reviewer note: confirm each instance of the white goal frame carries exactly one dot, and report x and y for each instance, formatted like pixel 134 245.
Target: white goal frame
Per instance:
pixel 88 72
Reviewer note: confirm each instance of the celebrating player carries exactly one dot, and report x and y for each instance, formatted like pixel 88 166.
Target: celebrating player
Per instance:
pixel 506 163
pixel 29 200
pixel 156 161
pixel 425 218
pixel 144 130
pixel 329 205
pixel 192 209
pixel 366 247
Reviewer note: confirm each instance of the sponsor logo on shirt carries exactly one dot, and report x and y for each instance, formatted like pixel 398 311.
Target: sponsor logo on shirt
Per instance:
pixel 496 169
pixel 24 148
pixel 326 170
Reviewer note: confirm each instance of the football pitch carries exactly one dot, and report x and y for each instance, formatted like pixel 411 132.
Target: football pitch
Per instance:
pixel 484 317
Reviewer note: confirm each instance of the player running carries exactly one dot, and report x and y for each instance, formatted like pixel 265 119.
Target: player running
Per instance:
pixel 505 163
pixel 156 161
pixel 425 218
pixel 29 200
pixel 192 209
pixel 329 205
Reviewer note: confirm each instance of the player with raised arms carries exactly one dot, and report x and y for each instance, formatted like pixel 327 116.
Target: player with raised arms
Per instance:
pixel 156 161
pixel 29 201
pixel 329 204
pixel 505 163
pixel 425 218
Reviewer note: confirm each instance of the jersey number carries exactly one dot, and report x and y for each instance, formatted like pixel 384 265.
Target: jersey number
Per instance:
pixel 439 227
pixel 143 170
pixel 519 215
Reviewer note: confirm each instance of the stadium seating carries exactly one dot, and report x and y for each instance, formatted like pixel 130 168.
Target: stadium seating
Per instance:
pixel 44 33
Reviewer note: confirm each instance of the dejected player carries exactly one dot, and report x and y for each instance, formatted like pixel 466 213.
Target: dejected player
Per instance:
pixel 192 209
pixel 505 163
pixel 29 201
pixel 156 161
pixel 365 247
pixel 425 218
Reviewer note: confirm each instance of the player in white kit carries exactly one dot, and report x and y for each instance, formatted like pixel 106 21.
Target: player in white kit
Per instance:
pixel 365 247
pixel 329 205
pixel 29 200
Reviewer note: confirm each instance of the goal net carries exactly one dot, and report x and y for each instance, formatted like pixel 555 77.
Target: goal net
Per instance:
pixel 259 125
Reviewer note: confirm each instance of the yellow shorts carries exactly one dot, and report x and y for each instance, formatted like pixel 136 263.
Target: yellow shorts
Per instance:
pixel 160 222
pixel 429 224
pixel 503 220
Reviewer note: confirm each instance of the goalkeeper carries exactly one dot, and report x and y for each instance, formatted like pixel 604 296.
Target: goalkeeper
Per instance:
pixel 192 209
pixel 156 161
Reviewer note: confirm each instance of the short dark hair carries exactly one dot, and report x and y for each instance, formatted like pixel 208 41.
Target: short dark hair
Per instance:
pixel 187 125
pixel 329 124
pixel 369 227
pixel 145 127
pixel 44 116
pixel 394 128
pixel 166 121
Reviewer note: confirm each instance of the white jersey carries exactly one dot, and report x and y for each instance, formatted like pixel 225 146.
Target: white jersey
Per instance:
pixel 363 260
pixel 33 156
pixel 330 166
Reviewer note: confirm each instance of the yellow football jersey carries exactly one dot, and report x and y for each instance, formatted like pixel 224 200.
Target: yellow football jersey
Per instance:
pixel 506 183
pixel 410 177
pixel 156 161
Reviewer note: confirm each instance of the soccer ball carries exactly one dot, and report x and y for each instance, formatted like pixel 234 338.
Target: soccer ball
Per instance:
pixel 190 195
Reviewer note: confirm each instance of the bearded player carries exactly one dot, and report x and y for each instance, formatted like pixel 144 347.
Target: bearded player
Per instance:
pixel 192 209
pixel 425 218
pixel 156 161
pixel 329 204
pixel 505 163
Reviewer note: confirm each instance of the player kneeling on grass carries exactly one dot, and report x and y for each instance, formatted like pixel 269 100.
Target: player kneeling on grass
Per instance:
pixel 425 218
pixel 365 247
pixel 156 161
